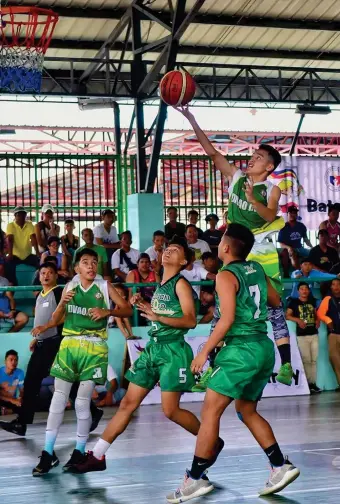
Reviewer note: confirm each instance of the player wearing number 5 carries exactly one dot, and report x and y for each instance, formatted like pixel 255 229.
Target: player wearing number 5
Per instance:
pixel 166 358
pixel 83 353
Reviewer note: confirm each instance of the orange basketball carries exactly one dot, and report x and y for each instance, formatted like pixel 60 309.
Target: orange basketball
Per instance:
pixel 177 88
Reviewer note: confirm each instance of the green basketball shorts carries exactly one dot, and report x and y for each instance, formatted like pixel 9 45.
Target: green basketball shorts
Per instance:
pixel 81 359
pixel 166 363
pixel 243 368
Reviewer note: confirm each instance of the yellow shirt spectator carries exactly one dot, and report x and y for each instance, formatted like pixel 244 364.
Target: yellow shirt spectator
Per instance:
pixel 22 246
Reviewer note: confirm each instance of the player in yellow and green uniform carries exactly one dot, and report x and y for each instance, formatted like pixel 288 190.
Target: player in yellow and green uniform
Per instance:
pixel 253 202
pixel 82 356
pixel 242 368
pixel 166 359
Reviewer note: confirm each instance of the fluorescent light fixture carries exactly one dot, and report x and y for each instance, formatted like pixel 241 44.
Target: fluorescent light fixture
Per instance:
pixel 313 109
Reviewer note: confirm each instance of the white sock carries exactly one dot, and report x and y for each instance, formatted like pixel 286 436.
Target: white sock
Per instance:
pixel 100 448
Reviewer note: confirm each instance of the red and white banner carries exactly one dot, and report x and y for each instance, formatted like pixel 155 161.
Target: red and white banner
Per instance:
pixel 273 389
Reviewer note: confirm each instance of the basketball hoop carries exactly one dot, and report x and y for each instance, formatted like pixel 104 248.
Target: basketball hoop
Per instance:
pixel 25 35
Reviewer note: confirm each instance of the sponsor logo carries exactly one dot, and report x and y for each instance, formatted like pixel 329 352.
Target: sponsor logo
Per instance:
pixel 318 206
pixel 249 269
pixel 99 295
pixel 332 178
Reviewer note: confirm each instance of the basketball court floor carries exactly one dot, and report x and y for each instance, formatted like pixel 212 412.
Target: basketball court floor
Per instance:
pixel 149 459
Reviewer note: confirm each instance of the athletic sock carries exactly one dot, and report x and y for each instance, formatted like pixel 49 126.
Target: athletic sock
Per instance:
pixel 81 444
pixel 50 439
pixel 284 351
pixel 199 465
pixel 275 455
pixel 100 448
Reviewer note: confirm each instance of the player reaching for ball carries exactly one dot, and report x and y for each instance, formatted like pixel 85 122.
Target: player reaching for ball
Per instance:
pixel 253 202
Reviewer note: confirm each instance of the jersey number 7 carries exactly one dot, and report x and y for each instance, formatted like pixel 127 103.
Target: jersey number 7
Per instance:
pixel 256 295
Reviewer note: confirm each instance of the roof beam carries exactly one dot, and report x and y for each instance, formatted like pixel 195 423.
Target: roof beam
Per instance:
pixel 214 19
pixel 205 50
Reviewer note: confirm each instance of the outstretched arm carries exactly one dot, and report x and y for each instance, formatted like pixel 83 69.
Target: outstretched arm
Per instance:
pixel 217 158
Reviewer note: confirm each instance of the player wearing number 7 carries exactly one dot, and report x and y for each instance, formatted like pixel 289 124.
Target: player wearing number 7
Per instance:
pixel 166 358
pixel 83 353
pixel 242 368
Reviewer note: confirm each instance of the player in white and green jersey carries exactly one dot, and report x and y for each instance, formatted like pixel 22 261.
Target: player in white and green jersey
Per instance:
pixel 253 202
pixel 82 356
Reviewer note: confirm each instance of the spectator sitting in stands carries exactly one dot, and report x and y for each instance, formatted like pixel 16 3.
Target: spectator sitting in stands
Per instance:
pixel 125 259
pixel 109 394
pixel 53 244
pixel 290 237
pixel 156 251
pixel 302 311
pixel 209 262
pixel 193 217
pixel 8 312
pixel 200 246
pixel 224 226
pixel 20 239
pixel 329 313
pixel 105 234
pixel 88 237
pixel 323 257
pixel 332 225
pixel 307 273
pixel 46 227
pixel 196 273
pixel 69 241
pixel 123 324
pixel 11 383
pixel 212 235
pixel 173 227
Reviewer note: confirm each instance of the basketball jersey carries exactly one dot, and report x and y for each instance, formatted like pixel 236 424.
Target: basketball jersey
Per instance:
pixel 77 318
pixel 251 300
pixel 240 211
pixel 165 302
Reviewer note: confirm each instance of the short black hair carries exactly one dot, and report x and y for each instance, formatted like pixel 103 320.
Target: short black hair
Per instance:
pixel 323 232
pixel 193 212
pixel 127 232
pixel 107 211
pixel 48 264
pixel 303 284
pixel 85 251
pixel 178 240
pixel 333 207
pixel 171 208
pixel 51 259
pixel 273 153
pixel 192 254
pixel 143 255
pixel 86 229
pixel 241 240
pixel 190 226
pixel 11 352
pixel 207 255
pixel 52 239
pixel 335 280
pixel 306 259
pixel 69 221
pixel 158 233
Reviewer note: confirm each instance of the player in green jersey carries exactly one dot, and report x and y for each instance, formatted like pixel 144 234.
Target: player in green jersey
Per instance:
pixel 82 356
pixel 242 368
pixel 253 202
pixel 166 358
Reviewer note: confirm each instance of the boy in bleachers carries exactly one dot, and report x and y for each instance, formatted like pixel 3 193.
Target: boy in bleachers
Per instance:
pixel 10 317
pixel 11 383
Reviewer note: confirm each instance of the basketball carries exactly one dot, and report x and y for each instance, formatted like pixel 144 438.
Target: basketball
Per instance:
pixel 177 88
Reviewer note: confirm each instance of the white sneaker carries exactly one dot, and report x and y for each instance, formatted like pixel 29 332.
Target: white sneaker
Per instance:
pixel 280 477
pixel 190 489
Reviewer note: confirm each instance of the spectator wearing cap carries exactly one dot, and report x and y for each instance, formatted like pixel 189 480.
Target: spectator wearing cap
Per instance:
pixel 46 227
pixel 69 241
pixel 20 239
pixel 212 235
pixel 105 234
pixel 323 257
pixel 306 273
pixel 173 227
pixel 290 239
pixel 124 260
pixel 53 244
pixel 193 217
pixel 156 251
pixel 88 237
pixel 200 246
pixel 332 225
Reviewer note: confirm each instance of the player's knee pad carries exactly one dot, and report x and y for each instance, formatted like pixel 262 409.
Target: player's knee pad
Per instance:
pixel 240 417
pixel 82 407
pixel 59 401
pixel 277 319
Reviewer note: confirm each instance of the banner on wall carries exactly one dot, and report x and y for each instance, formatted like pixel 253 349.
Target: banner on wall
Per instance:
pixel 310 183
pixel 273 389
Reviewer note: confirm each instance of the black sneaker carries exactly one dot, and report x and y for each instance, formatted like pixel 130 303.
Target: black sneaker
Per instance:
pixel 14 426
pixel 88 464
pixel 76 458
pixel 314 388
pixel 47 462
pixel 96 417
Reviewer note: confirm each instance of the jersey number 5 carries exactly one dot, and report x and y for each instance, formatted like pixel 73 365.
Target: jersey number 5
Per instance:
pixel 182 375
pixel 256 295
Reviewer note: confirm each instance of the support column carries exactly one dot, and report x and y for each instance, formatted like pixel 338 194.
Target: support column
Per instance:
pixel 145 215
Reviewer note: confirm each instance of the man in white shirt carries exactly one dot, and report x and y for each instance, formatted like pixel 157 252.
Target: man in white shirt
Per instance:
pixel 156 251
pixel 200 246
pixel 125 259
pixel 105 234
